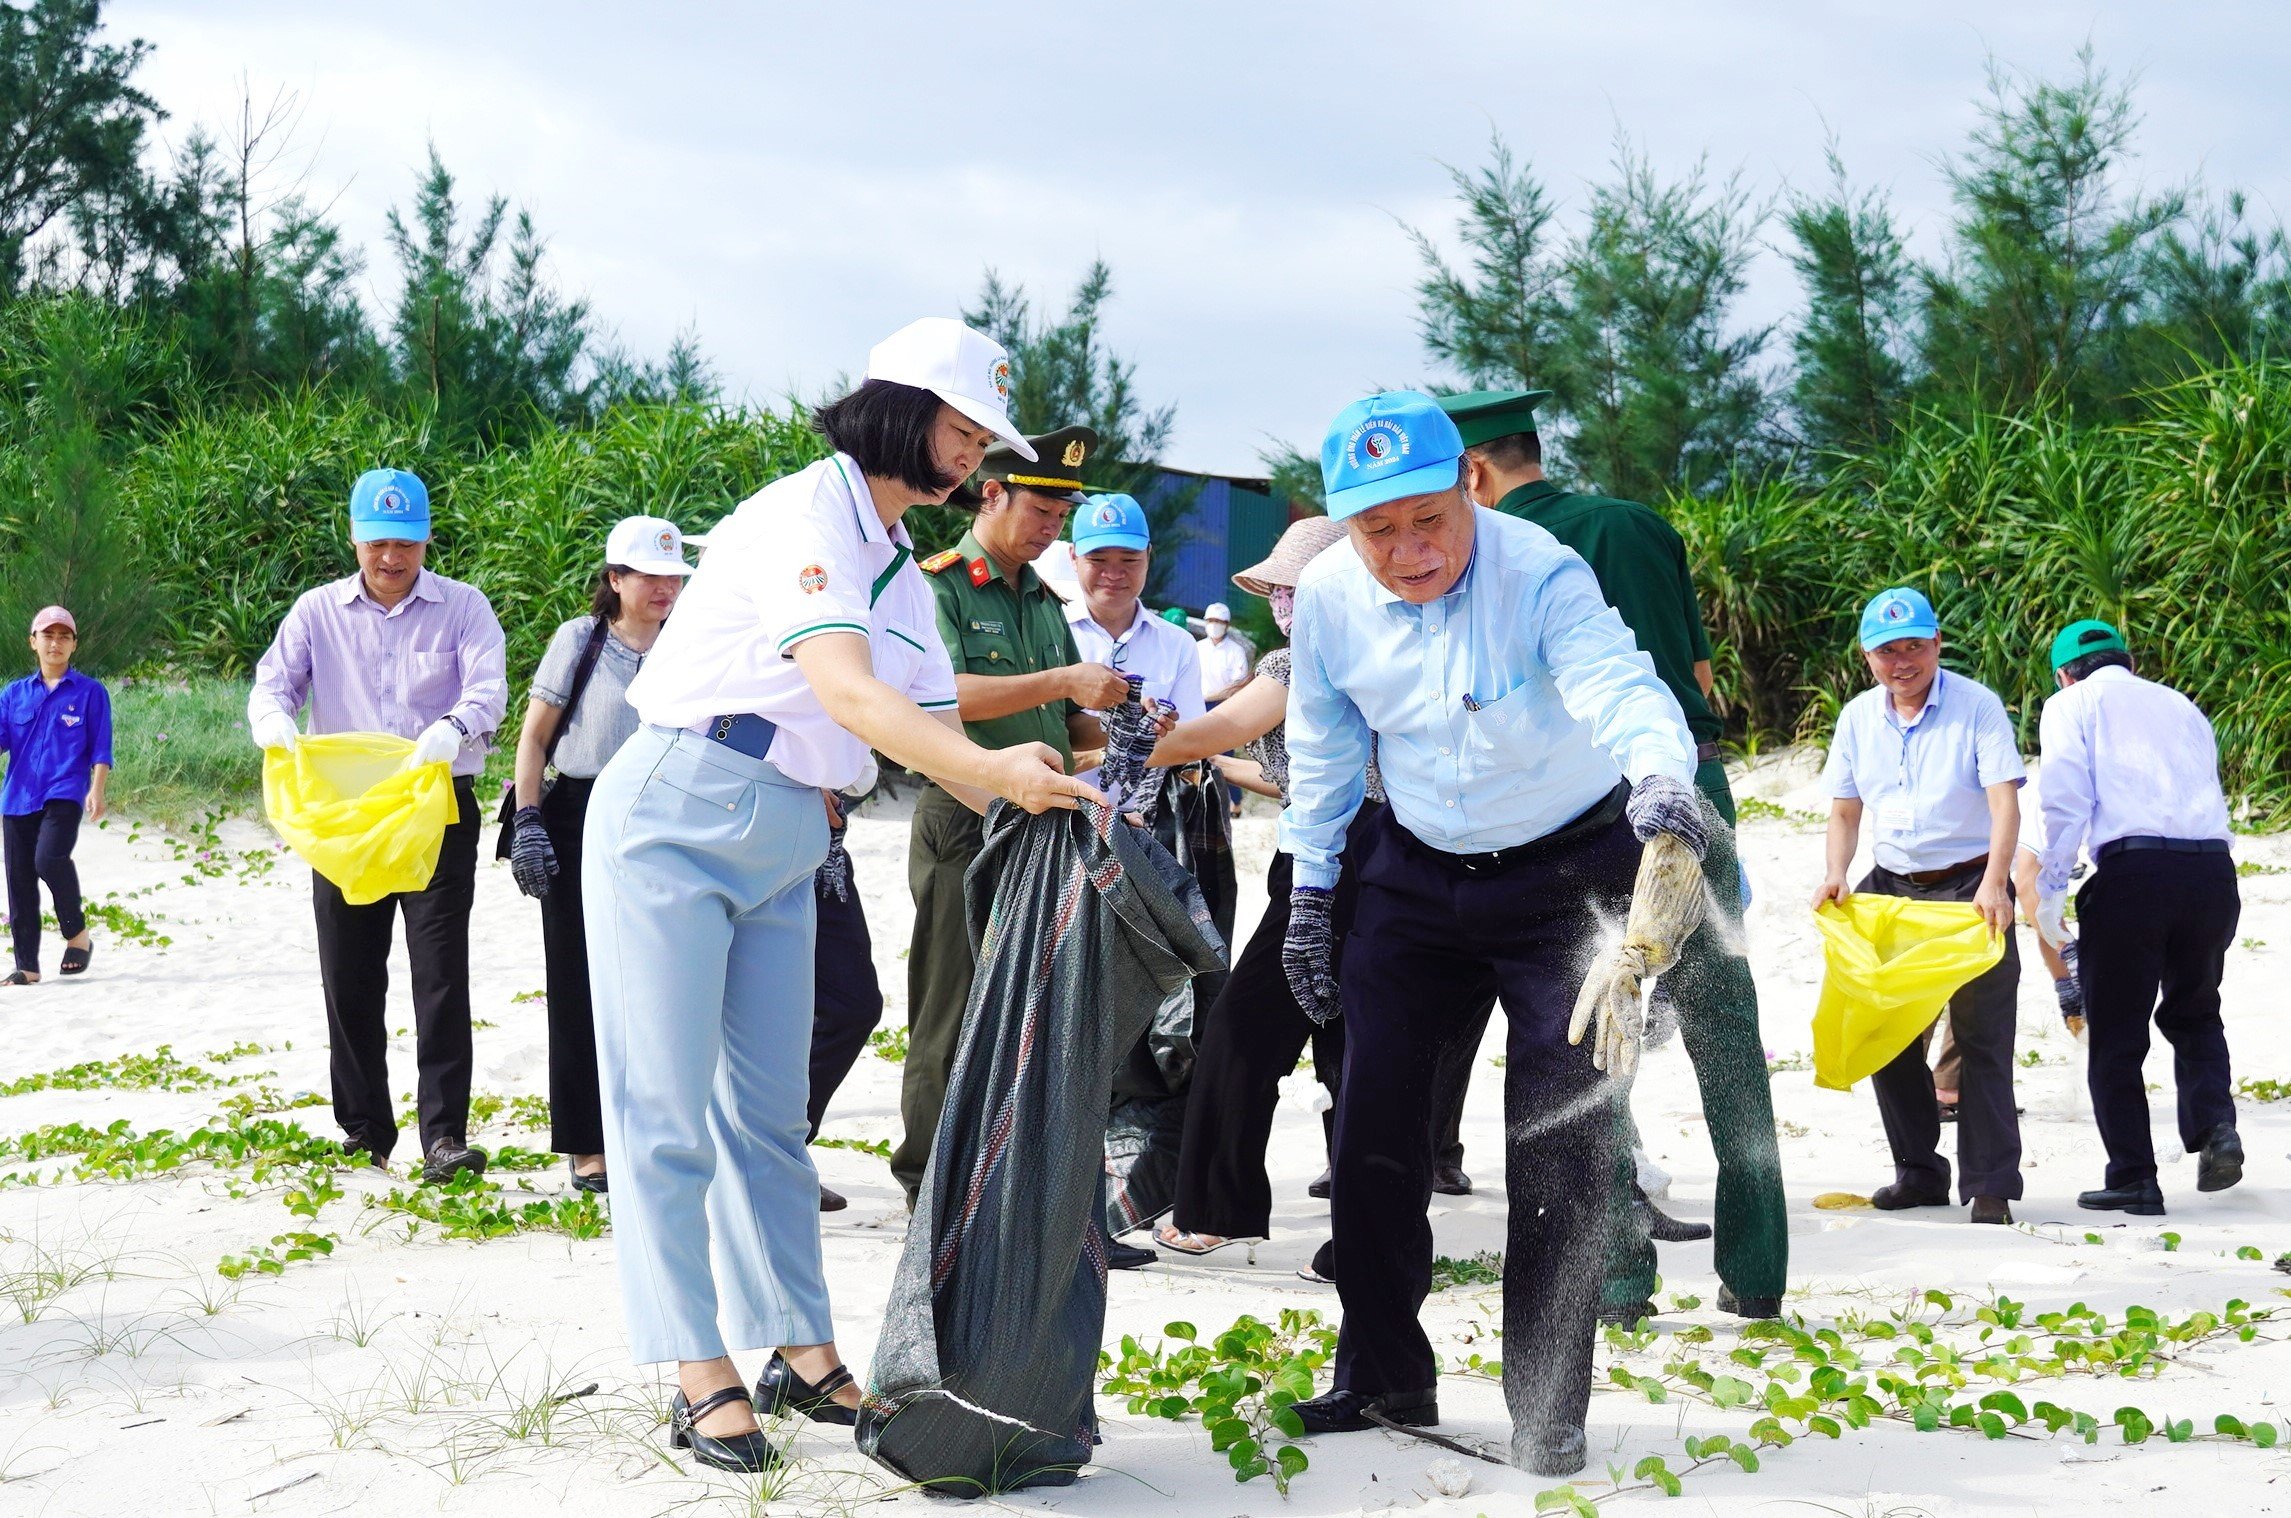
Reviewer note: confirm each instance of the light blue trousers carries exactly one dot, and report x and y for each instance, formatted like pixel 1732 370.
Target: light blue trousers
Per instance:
pixel 696 882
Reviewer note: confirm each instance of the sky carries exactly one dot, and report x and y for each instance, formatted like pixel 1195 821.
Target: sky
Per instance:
pixel 795 182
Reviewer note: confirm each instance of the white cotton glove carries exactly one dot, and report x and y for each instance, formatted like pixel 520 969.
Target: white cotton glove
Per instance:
pixel 439 743
pixel 2050 924
pixel 274 729
pixel 1667 902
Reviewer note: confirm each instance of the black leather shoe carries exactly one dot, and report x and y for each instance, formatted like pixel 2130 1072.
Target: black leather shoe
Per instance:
pixel 1121 1256
pixel 1665 1229
pixel 1550 1452
pixel 448 1158
pixel 1992 1209
pixel 1346 1412
pixel 1322 1271
pixel 1896 1197
pixel 1450 1180
pixel 2219 1164
pixel 1748 1307
pixel 749 1451
pixel 1625 1314
pixel 593 1184
pixel 832 1201
pixel 780 1390
pixel 1320 1188
pixel 2143 1199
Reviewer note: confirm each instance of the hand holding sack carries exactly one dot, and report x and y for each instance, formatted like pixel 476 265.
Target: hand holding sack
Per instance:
pixel 440 743
pixel 1666 907
pixel 532 858
pixel 1308 953
pixel 274 730
pixel 358 812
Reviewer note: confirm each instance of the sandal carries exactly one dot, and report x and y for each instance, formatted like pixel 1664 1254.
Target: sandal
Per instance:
pixel 1181 1241
pixel 20 978
pixel 76 960
pixel 782 1389
pixel 747 1451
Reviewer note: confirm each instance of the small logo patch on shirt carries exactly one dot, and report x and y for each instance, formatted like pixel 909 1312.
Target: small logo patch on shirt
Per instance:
pixel 812 578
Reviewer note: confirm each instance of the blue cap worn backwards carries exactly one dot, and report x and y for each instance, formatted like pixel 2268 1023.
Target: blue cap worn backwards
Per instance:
pixel 1387 447
pixel 1897 613
pixel 1110 521
pixel 389 505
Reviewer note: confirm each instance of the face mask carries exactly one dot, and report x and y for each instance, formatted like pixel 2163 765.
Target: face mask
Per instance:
pixel 1284 599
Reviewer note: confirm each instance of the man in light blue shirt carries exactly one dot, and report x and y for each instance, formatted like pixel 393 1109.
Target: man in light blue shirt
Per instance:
pixel 1528 749
pixel 1929 757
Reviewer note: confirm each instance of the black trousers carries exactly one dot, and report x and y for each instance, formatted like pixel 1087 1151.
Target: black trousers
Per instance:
pixel 846 998
pixel 1431 942
pixel 354 963
pixel 38 847
pixel 2155 932
pixel 576 1115
pixel 1982 1020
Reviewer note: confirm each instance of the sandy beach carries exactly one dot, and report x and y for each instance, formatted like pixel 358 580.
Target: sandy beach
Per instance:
pixel 407 1372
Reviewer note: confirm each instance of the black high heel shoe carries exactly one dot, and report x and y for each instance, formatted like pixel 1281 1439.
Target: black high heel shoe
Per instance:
pixel 593 1182
pixel 779 1389
pixel 749 1451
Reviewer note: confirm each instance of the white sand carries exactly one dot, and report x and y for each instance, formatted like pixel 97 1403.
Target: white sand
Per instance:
pixel 399 1377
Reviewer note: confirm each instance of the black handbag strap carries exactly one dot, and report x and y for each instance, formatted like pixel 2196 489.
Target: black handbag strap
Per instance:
pixel 581 672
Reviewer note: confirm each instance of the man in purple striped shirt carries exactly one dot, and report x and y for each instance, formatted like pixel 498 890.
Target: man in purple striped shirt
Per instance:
pixel 395 649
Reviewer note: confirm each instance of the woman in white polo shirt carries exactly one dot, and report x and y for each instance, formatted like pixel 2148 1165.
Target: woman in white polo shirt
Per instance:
pixel 806 638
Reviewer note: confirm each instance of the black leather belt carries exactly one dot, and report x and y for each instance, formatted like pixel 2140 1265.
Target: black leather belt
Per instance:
pixel 1946 872
pixel 1602 814
pixel 743 733
pixel 2142 841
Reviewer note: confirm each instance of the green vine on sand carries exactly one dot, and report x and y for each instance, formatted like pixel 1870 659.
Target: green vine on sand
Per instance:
pixel 1242 1385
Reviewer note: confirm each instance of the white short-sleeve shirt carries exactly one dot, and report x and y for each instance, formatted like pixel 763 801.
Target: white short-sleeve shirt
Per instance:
pixel 1923 785
pixel 805 555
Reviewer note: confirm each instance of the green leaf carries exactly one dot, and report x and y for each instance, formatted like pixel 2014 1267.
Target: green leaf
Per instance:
pixel 2250 1252
pixel 2008 1404
pixel 1669 1483
pixel 1926 1416
pixel 1286 1420
pixel 2180 1432
pixel 1993 1426
pixel 1225 1432
pixel 1565 1499
pixel 2230 1425
pixel 1251 1470
pixel 1291 1460
pixel 1745 1456
pixel 1729 1391
pixel 1822 1423
pixel 2264 1435
pixel 1178 1330
pixel 2135 1425
pixel 1241 1452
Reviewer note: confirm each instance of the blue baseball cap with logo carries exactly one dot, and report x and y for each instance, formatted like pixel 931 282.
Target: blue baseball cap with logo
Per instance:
pixel 1388 447
pixel 1110 521
pixel 1897 613
pixel 389 505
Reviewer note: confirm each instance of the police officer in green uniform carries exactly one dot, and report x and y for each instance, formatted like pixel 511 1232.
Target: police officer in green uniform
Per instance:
pixel 1641 566
pixel 1018 679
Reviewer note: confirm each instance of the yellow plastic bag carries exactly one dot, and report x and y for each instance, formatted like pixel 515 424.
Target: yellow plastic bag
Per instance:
pixel 347 803
pixel 1890 965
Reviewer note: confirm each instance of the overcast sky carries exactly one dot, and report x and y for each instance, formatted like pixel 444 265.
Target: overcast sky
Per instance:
pixel 795 181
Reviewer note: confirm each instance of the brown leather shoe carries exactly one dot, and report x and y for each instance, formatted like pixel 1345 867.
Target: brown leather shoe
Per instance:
pixel 1992 1209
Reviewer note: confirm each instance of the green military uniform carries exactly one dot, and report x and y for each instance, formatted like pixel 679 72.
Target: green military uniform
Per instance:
pixel 990 627
pixel 1641 566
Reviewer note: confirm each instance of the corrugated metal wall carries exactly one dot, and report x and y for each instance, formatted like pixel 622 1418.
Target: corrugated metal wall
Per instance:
pixel 1231 525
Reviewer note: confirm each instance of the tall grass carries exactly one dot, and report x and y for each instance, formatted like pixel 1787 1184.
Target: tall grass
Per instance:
pixel 2172 526
pixel 180 747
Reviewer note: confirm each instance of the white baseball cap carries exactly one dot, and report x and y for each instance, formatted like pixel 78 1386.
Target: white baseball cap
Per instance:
pixel 648 545
pixel 1218 612
pixel 966 369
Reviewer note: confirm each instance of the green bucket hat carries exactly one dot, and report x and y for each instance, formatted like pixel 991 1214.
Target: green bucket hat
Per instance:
pixel 2086 637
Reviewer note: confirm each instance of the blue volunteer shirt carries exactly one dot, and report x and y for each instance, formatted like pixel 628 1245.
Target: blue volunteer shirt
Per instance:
pixel 1500 712
pixel 1923 784
pixel 54 739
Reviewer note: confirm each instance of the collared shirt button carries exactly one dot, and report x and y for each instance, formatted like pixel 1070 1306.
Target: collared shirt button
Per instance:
pixel 1451 806
pixel 1443 751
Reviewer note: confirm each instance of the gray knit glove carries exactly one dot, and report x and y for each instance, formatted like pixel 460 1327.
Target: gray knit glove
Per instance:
pixel 1660 804
pixel 1129 739
pixel 1308 953
pixel 532 858
pixel 834 874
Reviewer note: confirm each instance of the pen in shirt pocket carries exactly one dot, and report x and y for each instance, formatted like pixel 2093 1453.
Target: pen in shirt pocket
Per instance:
pixel 1470 705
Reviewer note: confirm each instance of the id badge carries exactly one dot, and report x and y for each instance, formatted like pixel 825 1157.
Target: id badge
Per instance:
pixel 1895 816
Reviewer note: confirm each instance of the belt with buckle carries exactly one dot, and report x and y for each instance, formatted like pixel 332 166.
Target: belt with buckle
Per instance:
pixel 742 733
pixel 1602 813
pixel 1946 872
pixel 2140 841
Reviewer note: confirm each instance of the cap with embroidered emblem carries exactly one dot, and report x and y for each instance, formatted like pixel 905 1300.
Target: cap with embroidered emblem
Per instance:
pixel 968 370
pixel 389 505
pixel 1110 521
pixel 1056 467
pixel 1895 614
pixel 1482 416
pixel 1386 448
pixel 648 545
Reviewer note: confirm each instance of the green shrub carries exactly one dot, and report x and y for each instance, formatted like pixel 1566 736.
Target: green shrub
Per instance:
pixel 181 748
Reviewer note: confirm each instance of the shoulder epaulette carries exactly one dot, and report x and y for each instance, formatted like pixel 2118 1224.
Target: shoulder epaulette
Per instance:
pixel 939 561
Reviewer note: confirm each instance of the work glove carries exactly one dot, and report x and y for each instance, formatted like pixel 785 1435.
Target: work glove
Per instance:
pixel 1666 907
pixel 1660 804
pixel 440 743
pixel 834 873
pixel 1308 953
pixel 274 729
pixel 532 858
pixel 2050 909
pixel 2069 989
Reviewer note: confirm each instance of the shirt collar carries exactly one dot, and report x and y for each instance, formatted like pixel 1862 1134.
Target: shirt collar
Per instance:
pixel 2110 671
pixel 1524 500
pixel 1932 702
pixel 863 507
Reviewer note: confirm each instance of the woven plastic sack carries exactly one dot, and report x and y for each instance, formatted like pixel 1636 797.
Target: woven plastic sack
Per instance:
pixel 985 1369
pixel 1188 814
pixel 347 803
pixel 1890 965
